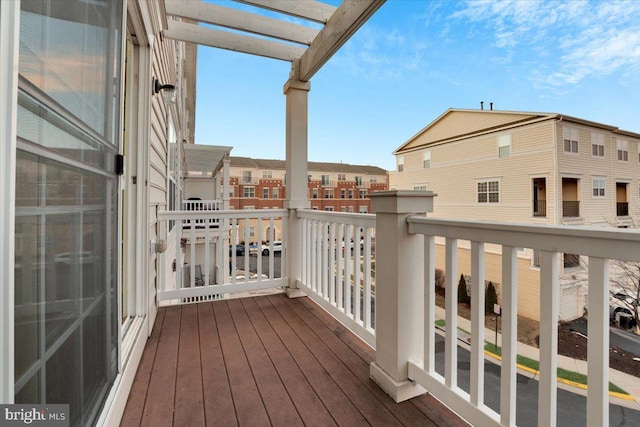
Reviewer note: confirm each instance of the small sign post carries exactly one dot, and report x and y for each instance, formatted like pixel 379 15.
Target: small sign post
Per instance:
pixel 498 311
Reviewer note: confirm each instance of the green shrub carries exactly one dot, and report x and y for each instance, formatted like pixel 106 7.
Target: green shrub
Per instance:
pixel 463 296
pixel 490 298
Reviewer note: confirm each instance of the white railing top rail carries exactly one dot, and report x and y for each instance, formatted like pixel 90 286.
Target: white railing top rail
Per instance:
pixel 612 243
pixel 228 214
pixel 359 219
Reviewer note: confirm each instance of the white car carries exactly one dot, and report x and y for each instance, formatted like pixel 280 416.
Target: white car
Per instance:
pixel 264 249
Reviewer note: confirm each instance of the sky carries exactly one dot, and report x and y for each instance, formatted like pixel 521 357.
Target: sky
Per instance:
pixel 415 59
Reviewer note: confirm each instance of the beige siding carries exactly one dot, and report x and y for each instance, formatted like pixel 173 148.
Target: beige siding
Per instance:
pixel 465 122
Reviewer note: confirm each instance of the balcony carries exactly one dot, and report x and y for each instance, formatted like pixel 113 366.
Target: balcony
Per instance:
pixel 622 209
pixel 570 208
pixel 539 208
pixel 276 360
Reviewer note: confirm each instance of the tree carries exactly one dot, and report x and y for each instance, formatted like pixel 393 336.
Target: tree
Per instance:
pixel 463 296
pixel 490 298
pixel 625 288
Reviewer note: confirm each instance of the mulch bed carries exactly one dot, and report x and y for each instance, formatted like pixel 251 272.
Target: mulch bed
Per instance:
pixel 574 345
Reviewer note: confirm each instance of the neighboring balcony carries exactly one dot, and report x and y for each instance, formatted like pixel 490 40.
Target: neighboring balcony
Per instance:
pixel 539 208
pixel 570 208
pixel 622 208
pixel 369 313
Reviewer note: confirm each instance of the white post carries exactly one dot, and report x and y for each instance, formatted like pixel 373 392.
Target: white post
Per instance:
pixel 225 223
pixel 598 349
pixel 9 51
pixel 296 93
pixel 399 290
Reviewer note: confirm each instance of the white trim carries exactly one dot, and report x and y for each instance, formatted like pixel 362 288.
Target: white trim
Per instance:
pixel 9 54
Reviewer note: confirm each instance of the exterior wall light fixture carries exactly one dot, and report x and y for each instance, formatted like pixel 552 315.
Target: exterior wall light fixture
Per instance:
pixel 157 87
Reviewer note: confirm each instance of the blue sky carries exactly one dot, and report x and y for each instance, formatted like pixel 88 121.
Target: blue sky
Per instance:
pixel 414 59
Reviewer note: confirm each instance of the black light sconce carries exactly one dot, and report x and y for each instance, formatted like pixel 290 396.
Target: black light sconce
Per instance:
pixel 157 87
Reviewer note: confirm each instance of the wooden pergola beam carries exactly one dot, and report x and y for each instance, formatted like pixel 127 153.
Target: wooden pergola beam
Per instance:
pixel 306 9
pixel 239 20
pixel 345 21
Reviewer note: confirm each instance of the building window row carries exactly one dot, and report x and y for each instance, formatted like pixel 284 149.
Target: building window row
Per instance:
pixel 623 150
pixel 597 144
pixel 570 137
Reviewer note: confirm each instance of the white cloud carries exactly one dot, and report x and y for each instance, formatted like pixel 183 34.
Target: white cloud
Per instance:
pixel 578 39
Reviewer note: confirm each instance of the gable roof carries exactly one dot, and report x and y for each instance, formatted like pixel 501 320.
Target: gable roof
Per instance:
pixel 272 164
pixel 457 123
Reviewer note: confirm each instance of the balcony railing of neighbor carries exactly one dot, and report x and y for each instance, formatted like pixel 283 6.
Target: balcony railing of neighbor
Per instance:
pixel 201 205
pixel 539 208
pixel 338 267
pixel 570 209
pixel 207 260
pixel 597 246
pixel 622 209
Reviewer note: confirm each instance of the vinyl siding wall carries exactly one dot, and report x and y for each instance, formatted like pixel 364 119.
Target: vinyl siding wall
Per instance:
pixel 585 167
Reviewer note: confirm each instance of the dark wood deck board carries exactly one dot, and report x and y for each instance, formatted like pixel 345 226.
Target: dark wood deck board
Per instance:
pixel 274 395
pixel 189 408
pixel 218 402
pixel 263 361
pixel 301 392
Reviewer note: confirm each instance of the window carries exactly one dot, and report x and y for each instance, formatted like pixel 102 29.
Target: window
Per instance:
pixel 328 194
pixel 267 174
pixel 400 163
pixel 314 193
pixel 343 193
pixel 362 209
pixel 249 192
pixel 329 209
pixel 358 180
pixel 570 260
pixel 265 193
pixel 504 145
pixel 246 176
pixel 598 186
pixel 426 160
pixel 275 194
pixel 252 232
pixel 363 194
pixel 421 187
pixel 350 209
pixel 351 193
pixel 597 144
pixel 623 150
pixel 488 191
pixel 535 261
pixel 343 209
pixel 325 179
pixel 570 136
pixel 341 177
pixel 375 179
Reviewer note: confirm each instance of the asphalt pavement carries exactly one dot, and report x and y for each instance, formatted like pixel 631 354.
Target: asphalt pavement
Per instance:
pixel 625 340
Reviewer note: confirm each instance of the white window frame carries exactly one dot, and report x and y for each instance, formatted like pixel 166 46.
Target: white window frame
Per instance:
pixel 9 47
pixel 251 189
pixel 252 232
pixel 400 164
pixel 358 180
pixel 342 177
pixel 488 193
pixel 343 208
pixel 375 179
pixel 622 150
pixel 426 160
pixel 324 180
pixel 329 192
pixel 504 145
pixel 265 192
pixel 362 194
pixel 314 193
pixel 275 193
pixel 267 174
pixel 597 144
pixel 350 209
pixel 570 136
pixel 421 187
pixel 343 193
pixel 329 208
pixel 362 209
pixel 598 185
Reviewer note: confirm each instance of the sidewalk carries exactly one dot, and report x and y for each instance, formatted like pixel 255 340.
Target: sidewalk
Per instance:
pixel 628 383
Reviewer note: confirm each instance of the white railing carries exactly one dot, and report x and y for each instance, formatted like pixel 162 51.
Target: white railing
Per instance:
pixel 597 246
pixel 213 261
pixel 201 205
pixel 338 267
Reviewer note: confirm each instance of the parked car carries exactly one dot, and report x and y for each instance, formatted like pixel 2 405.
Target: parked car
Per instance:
pixel 277 248
pixel 239 249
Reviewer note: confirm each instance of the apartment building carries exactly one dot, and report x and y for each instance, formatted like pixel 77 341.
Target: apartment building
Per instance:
pixel 526 167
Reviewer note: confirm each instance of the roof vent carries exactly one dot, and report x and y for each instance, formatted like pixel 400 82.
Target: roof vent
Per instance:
pixel 491 106
pixel 482 105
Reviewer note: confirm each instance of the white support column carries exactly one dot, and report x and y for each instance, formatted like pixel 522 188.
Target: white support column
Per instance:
pixel 226 186
pixel 296 93
pixel 399 291
pixel 547 389
pixel 225 222
pixel 508 372
pixel 598 349
pixel 9 51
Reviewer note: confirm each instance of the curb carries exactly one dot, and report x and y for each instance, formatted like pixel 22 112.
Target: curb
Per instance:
pixel 562 380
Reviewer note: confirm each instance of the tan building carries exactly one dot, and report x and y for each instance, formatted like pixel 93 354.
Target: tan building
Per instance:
pixel 539 168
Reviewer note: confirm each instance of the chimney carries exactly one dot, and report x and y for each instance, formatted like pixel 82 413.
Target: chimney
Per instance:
pixel 482 105
pixel 491 106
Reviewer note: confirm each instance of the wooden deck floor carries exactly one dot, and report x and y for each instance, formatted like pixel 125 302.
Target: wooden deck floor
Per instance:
pixel 262 361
